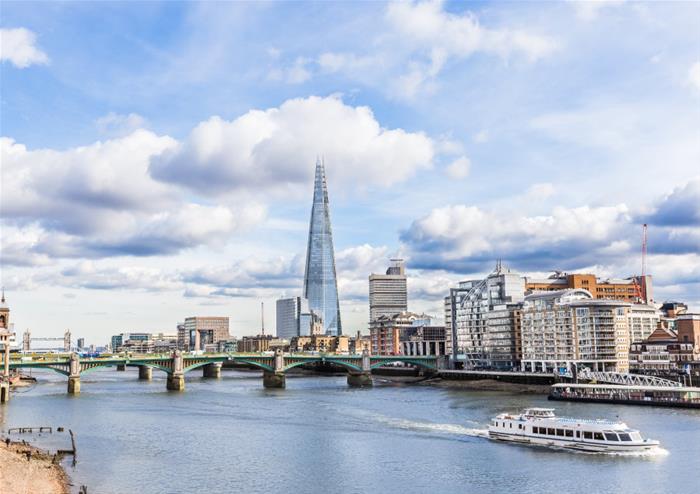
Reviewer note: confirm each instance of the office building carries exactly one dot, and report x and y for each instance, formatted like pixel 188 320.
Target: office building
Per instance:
pixel 204 333
pixel 320 283
pixel 386 331
pixel 635 289
pixel 288 317
pixel 387 292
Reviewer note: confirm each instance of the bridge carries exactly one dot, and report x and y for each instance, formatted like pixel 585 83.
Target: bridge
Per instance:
pixel 274 366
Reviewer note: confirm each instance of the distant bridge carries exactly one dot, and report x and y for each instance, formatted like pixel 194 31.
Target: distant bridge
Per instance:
pixel 274 366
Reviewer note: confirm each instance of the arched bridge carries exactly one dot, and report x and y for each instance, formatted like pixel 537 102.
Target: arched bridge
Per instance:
pixel 274 366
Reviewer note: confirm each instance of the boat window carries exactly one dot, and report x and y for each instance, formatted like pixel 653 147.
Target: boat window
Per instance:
pixel 536 430
pixel 578 434
pixel 511 425
pixel 587 435
pixel 598 436
pixel 636 436
pixel 560 432
pixel 550 432
pixel 611 437
pixel 520 426
pixel 569 433
pixel 624 437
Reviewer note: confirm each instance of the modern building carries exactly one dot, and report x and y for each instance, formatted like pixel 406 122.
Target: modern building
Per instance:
pixel 320 282
pixel 643 319
pixel 386 332
pixel 132 341
pixel 288 317
pixel 424 340
pixel 634 289
pixel 388 292
pixel 567 328
pixel 81 343
pixel 204 333
pixel 485 320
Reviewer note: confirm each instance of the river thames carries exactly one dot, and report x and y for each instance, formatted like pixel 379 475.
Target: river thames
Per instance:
pixel 319 435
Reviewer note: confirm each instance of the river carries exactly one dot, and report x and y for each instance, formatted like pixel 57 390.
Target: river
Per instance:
pixel 319 435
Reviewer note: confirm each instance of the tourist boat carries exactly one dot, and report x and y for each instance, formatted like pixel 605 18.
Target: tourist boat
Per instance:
pixel 540 427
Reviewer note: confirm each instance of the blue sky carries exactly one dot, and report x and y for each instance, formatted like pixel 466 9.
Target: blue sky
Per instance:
pixel 157 158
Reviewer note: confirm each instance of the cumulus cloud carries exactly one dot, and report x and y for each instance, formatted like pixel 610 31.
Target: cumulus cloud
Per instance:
pixel 679 208
pixel 459 168
pixel 99 200
pixel 88 274
pixel 278 148
pixel 18 46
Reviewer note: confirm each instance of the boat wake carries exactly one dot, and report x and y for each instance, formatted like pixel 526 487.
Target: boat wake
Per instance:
pixel 651 453
pixel 453 429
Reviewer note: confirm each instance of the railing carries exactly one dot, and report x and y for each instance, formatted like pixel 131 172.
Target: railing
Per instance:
pixel 627 379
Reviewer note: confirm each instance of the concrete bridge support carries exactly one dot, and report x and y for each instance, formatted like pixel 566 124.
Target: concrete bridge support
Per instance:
pixel 4 392
pixel 121 367
pixel 274 379
pixel 364 378
pixel 145 373
pixel 176 380
pixel 212 370
pixel 74 376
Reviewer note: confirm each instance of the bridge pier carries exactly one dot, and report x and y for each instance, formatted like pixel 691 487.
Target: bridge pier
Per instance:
pixel 121 367
pixel 176 382
pixel 212 370
pixel 360 379
pixel 4 392
pixel 274 379
pixel 74 385
pixel 145 373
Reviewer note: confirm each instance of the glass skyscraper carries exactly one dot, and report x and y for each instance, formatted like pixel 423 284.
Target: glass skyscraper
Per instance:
pixel 320 283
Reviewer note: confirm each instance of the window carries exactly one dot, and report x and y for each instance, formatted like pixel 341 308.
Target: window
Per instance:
pixel 560 432
pixel 569 433
pixel 624 437
pixel 611 437
pixel 511 425
pixel 588 435
pixel 598 436
pixel 550 432
pixel 578 434
pixel 520 426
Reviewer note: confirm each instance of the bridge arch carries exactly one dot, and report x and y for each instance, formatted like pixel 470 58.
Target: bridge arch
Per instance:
pixel 202 364
pixel 418 363
pixel 102 365
pixel 40 366
pixel 340 363
pixel 254 364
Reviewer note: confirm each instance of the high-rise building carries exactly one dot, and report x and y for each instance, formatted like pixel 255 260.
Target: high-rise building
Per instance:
pixel 387 292
pixel 320 283
pixel 485 320
pixel 288 317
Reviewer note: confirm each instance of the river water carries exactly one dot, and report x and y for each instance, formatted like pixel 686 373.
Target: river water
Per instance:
pixel 318 435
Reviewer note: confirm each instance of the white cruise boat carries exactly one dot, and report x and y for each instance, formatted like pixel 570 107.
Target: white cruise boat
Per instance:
pixel 540 427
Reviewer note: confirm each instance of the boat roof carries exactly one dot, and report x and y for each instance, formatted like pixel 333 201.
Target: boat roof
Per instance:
pixel 536 409
pixel 682 389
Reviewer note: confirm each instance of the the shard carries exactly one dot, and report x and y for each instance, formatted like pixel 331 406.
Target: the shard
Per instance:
pixel 320 283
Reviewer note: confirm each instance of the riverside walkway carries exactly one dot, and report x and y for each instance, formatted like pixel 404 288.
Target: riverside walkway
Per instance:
pixel 274 365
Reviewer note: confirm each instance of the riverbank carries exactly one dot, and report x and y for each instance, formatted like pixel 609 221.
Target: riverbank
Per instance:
pixel 491 385
pixel 29 470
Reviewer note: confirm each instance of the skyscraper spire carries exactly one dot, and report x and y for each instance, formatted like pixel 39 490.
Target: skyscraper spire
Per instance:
pixel 320 282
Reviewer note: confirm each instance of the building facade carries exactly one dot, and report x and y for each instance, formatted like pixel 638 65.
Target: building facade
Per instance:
pixel 320 282
pixel 321 344
pixel 204 333
pixel 388 292
pixel 387 332
pixel 643 319
pixel 485 319
pixel 634 289
pixel 288 317
pixel 424 340
pixel 567 328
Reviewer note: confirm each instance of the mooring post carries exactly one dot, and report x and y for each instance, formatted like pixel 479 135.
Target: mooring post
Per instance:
pixel 74 376
pixel 276 379
pixel 176 380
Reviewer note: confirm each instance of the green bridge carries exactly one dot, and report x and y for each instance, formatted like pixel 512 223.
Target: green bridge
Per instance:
pixel 274 366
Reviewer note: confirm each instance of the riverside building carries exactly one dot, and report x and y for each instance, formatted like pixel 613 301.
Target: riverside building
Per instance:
pixel 320 282
pixel 203 333
pixel 564 328
pixel 634 289
pixel 485 320
pixel 386 331
pixel 388 292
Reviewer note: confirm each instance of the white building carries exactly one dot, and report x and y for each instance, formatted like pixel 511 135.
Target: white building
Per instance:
pixel 388 292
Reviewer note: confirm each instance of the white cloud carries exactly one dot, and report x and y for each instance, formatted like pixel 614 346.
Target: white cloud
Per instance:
pixel 589 10
pixel 18 46
pixel 694 76
pixel 117 125
pixel 278 148
pixel 296 73
pixel 459 168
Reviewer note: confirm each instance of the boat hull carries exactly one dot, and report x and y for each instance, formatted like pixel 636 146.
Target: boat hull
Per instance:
pixel 572 445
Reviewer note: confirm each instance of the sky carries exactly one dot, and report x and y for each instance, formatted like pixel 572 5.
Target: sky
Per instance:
pixel 158 158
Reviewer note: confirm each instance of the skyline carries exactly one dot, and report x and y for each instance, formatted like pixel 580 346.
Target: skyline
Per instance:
pixel 159 171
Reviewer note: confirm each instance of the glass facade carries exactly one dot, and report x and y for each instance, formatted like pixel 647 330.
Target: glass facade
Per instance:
pixel 320 285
